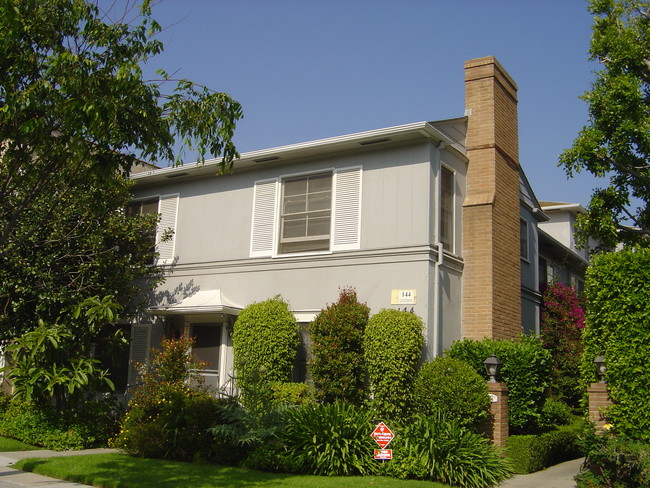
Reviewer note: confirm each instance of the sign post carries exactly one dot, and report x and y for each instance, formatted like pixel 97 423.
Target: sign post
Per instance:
pixel 383 435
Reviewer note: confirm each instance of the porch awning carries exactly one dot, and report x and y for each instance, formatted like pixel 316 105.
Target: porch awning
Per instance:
pixel 202 302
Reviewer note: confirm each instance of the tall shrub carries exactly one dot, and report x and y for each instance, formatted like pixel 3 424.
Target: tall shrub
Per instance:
pixel 562 326
pixel 393 343
pixel 618 326
pixel 265 342
pixel 526 371
pixel 337 367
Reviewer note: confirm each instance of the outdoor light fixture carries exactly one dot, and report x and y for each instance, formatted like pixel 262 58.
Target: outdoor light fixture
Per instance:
pixel 492 366
pixel 600 367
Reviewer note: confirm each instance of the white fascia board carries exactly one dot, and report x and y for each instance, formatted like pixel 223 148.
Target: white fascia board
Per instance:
pixel 576 207
pixel 310 147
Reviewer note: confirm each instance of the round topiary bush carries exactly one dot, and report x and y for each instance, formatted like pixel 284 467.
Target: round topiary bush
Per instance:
pixel 393 343
pixel 453 387
pixel 265 342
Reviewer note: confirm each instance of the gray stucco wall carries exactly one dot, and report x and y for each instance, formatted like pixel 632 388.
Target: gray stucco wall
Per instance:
pixel 399 218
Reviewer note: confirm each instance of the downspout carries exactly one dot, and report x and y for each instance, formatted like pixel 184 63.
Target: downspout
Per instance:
pixel 436 300
pixel 439 260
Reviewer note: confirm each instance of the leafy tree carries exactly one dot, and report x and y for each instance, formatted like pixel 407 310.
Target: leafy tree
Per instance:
pixel 87 247
pixel 50 365
pixel 337 367
pixel 76 114
pixel 616 143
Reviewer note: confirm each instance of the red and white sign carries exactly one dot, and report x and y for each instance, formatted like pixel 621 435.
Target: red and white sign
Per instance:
pixel 383 454
pixel 382 435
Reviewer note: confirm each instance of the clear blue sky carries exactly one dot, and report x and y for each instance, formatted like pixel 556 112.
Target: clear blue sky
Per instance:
pixel 307 70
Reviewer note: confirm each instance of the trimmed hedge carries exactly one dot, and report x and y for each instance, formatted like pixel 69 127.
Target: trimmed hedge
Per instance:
pixel 337 367
pixel 393 343
pixel 453 387
pixel 618 326
pixel 530 453
pixel 526 370
pixel 42 426
pixel 265 342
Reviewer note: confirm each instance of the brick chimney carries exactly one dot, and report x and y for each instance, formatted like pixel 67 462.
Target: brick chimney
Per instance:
pixel 491 281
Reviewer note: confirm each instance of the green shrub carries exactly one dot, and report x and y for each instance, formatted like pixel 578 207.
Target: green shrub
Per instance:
pixel 167 417
pixel 530 453
pixel 176 429
pixel 453 387
pixel 5 401
pixel 618 326
pixel 526 371
pixel 330 440
pixel 337 367
pixel 265 343
pixel 615 461
pixel 40 425
pixel 554 413
pixel 435 448
pixel 393 343
pixel 292 394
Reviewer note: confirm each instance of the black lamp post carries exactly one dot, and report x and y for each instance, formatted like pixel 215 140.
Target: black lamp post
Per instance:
pixel 492 366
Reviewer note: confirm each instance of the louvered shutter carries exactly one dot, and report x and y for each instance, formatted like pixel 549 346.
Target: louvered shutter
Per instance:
pixel 168 209
pixel 347 209
pixel 264 218
pixel 138 350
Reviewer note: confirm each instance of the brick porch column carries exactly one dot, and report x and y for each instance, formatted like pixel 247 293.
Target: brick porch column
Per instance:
pixel 497 428
pixel 598 401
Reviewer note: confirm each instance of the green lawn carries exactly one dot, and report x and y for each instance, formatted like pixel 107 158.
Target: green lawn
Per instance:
pixel 7 445
pixel 122 471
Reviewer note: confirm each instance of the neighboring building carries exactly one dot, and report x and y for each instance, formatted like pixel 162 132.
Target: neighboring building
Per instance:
pixel 434 217
pixel 560 258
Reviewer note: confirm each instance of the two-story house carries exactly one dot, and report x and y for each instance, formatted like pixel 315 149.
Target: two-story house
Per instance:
pixel 434 217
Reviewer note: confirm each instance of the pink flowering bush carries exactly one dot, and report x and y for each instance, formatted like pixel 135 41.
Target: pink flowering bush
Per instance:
pixel 562 327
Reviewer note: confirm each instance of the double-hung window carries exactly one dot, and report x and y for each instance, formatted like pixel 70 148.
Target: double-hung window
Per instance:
pixel 314 212
pixel 163 241
pixel 306 213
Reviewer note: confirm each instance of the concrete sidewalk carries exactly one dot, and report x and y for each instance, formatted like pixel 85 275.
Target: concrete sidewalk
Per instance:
pixel 12 478
pixel 558 476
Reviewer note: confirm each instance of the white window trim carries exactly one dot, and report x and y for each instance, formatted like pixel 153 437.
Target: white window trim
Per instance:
pixel 345 230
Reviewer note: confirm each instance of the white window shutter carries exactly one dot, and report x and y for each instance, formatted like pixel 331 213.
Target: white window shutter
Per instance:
pixel 264 218
pixel 138 350
pixel 168 209
pixel 347 209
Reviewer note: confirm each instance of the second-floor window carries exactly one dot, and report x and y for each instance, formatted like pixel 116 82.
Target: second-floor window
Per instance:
pixel 163 239
pixel 314 212
pixel 306 213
